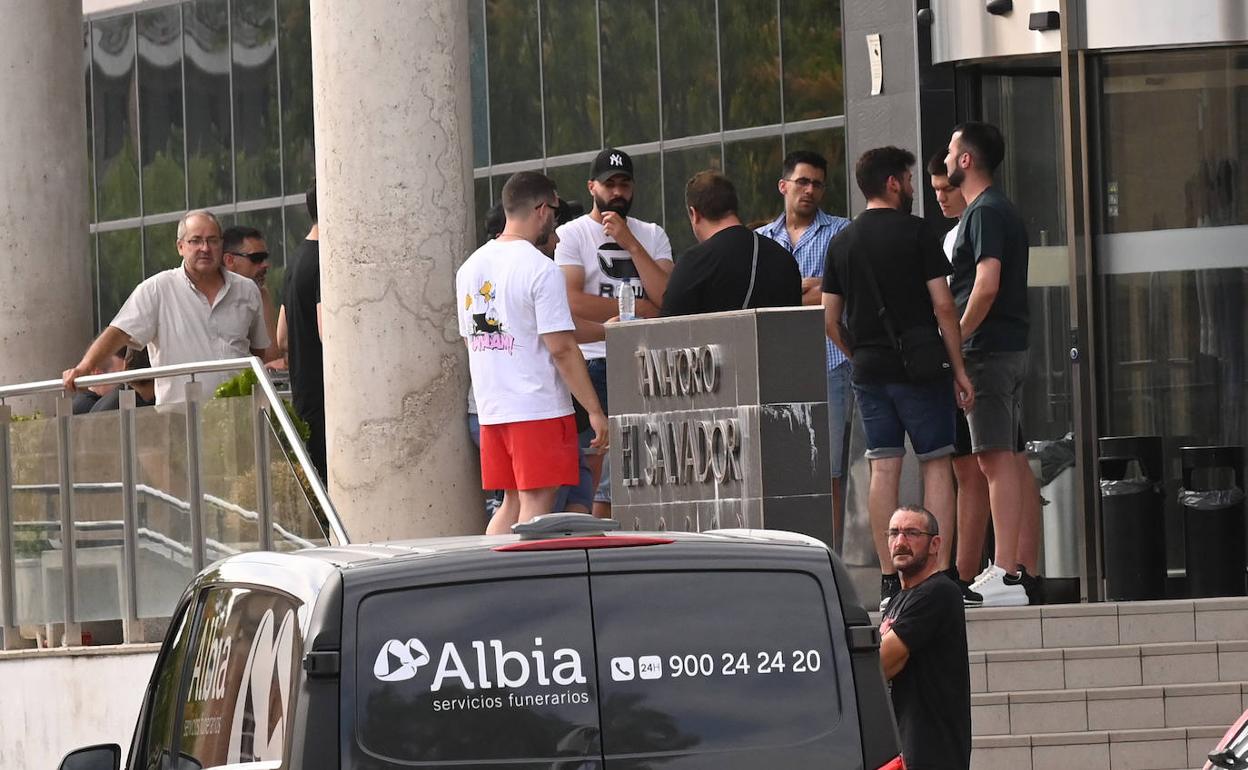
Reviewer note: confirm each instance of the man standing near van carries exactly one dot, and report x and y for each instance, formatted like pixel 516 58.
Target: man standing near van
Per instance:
pixel 923 649
pixel 514 317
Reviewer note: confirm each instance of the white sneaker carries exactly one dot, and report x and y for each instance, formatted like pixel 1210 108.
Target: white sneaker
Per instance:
pixel 996 592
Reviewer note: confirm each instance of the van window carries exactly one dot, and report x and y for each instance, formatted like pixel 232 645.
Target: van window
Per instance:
pixel 496 671
pixel 239 689
pixel 161 714
pixel 713 661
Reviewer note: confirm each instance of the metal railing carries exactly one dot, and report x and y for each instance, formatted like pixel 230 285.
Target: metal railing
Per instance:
pixel 61 514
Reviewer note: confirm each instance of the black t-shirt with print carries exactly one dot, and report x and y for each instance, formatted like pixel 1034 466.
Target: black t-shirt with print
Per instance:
pixel 932 694
pixel 715 275
pixel 904 253
pixel 992 229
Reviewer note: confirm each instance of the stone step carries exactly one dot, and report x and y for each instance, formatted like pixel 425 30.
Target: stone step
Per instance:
pixel 1175 748
pixel 1130 665
pixel 1108 709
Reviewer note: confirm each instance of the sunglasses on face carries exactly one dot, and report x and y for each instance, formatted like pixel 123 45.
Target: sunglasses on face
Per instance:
pixel 256 257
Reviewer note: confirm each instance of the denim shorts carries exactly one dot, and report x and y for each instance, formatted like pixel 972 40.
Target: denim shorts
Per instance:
pixel 892 411
pixel 840 410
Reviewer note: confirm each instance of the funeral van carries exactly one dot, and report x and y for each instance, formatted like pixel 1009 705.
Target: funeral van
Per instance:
pixel 564 646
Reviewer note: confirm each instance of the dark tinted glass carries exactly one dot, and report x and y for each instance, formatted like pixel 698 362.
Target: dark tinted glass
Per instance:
pixel 116 135
pixel 716 681
pixel 647 189
pixel 257 148
pixel 571 181
pixel 121 269
pixel 754 168
pixel 811 41
pixel 157 734
pixel 570 75
pixel 749 39
pixel 830 143
pixel 160 121
pixel 160 248
pixel 510 660
pixel 630 82
pixel 476 61
pixel 678 166
pixel 206 25
pixel 688 68
pixel 515 113
pixel 295 43
pixel 93 260
pixel 86 74
pixel 481 202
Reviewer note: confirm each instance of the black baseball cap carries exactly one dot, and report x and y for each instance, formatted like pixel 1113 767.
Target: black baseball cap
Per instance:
pixel 611 162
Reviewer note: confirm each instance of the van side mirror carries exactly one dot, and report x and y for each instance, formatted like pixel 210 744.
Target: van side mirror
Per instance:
pixel 105 756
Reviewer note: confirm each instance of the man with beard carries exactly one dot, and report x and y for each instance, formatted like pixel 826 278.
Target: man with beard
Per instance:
pixel 886 274
pixel 923 649
pixel 599 252
pixel 514 317
pixel 247 254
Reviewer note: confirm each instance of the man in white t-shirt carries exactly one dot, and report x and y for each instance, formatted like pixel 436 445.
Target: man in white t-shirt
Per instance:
pixel 514 317
pixel 599 252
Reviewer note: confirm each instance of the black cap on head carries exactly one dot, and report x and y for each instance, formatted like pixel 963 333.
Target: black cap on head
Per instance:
pixel 611 162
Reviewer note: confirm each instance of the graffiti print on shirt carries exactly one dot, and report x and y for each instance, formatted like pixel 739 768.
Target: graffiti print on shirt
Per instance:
pixel 487 328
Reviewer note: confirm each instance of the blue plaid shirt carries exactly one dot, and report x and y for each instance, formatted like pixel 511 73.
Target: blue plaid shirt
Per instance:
pixel 810 253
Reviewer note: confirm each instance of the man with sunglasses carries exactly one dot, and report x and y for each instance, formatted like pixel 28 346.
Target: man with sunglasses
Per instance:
pixel 923 648
pixel 247 255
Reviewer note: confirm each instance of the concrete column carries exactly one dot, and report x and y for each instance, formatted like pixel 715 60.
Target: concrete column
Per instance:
pixel 45 278
pixel 394 190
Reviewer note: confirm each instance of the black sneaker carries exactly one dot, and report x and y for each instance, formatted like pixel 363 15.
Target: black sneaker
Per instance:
pixel 969 597
pixel 1032 584
pixel 890 586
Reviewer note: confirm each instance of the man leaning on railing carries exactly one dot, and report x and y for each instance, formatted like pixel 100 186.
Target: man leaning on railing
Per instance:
pixel 198 311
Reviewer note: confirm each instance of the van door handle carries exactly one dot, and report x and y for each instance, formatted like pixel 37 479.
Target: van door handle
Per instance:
pixel 863 638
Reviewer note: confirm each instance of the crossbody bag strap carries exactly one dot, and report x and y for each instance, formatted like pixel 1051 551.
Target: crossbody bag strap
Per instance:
pixel 881 309
pixel 749 293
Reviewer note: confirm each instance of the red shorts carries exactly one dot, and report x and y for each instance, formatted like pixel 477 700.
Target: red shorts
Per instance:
pixel 533 454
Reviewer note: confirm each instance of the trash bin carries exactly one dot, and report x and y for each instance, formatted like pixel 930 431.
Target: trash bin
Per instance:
pixel 1133 529
pixel 1213 516
pixel 1054 465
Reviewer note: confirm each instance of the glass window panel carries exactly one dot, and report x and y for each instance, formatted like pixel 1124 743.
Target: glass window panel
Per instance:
pixel 160 250
pixel 206 26
pixel 830 143
pixel 295 40
pixel 481 204
pixel 93 259
pixel 98 571
pixel 86 74
pixel 515 112
pixel 754 166
pixel 36 520
pixel 476 63
pixel 116 135
pixel 749 41
pixel 228 476
pixel 572 182
pixel 160 121
pixel 630 78
pixel 688 68
pixel 811 42
pixel 678 166
pixel 297 521
pixel 647 188
pixel 257 146
pixel 164 564
pixel 121 269
pixel 570 75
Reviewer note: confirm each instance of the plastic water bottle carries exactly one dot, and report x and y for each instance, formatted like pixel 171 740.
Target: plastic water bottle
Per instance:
pixel 628 305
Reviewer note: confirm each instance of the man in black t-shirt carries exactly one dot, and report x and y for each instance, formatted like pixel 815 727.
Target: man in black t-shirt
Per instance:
pixel 731 268
pixel 923 649
pixel 299 331
pixel 903 256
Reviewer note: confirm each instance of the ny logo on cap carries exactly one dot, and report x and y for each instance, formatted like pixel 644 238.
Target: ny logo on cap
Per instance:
pixel 616 159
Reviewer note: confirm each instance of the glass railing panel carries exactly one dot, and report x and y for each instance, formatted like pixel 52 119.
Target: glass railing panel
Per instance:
pixel 99 572
pixel 164 563
pixel 228 480
pixel 37 540
pixel 297 521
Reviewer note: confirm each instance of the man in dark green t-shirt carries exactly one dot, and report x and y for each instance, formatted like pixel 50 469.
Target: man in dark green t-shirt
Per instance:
pixel 989 285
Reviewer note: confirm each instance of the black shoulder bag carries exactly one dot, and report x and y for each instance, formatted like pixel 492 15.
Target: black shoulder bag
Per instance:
pixel 922 348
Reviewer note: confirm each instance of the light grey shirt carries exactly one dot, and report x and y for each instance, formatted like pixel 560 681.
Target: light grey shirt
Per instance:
pixel 177 324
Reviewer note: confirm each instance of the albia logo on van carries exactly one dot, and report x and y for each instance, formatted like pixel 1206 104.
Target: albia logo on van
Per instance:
pixel 484 665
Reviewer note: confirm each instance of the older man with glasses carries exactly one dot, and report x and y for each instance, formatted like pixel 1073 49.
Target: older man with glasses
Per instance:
pixel 198 311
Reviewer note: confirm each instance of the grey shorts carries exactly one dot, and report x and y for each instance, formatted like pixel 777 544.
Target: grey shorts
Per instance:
pixel 997 415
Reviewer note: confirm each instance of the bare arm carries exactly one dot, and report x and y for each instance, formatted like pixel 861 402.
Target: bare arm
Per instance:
pixel 571 366
pixel 653 272
pixel 983 293
pixel 586 306
pixel 833 309
pixel 589 331
pixel 947 318
pixel 320 328
pixel 894 654
pixel 281 334
pixel 812 291
pixel 270 318
pixel 109 341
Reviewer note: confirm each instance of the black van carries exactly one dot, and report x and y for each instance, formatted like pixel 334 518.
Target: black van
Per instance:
pixel 556 648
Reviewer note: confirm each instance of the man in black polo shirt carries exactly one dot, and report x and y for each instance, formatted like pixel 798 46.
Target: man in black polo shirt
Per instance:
pixel 300 324
pixel 731 268
pixel 923 649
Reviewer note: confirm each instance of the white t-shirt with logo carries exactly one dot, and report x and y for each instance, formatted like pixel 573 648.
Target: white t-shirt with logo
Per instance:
pixel 508 295
pixel 607 265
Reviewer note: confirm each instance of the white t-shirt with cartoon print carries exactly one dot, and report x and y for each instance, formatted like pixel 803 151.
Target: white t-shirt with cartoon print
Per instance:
pixel 607 265
pixel 508 295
